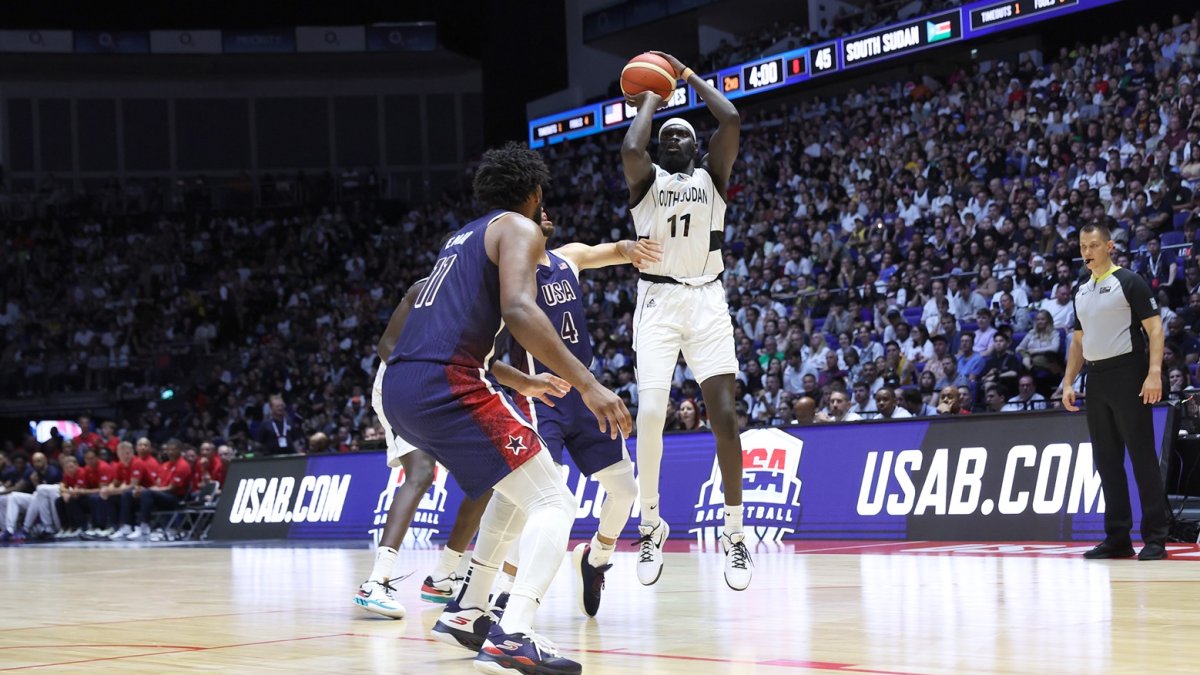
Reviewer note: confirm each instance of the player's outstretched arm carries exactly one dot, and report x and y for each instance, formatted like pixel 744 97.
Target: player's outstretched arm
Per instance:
pixel 541 386
pixel 387 342
pixel 519 247
pixel 723 146
pixel 640 253
pixel 635 159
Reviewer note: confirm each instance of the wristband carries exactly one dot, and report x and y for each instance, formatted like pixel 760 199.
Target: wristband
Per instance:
pixel 687 73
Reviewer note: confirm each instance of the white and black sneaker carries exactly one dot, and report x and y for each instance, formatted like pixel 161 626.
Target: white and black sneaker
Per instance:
pixel 739 566
pixel 650 554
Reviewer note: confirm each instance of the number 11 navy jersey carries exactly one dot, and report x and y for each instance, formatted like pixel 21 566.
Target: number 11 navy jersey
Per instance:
pixel 456 317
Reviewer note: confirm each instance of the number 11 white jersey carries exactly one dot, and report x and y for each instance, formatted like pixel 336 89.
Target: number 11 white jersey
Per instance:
pixel 686 215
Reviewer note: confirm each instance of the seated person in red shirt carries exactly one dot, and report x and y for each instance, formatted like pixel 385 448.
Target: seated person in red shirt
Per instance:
pixel 95 474
pixel 73 518
pixel 107 500
pixel 169 490
pixel 144 470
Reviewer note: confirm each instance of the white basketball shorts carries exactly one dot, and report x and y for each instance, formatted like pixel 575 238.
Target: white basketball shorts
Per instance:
pixel 397 447
pixel 674 317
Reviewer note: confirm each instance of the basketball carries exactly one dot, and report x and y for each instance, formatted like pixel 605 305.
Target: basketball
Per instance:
pixel 648 72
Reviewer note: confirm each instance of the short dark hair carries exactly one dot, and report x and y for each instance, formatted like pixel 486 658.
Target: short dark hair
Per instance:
pixel 1099 228
pixel 508 175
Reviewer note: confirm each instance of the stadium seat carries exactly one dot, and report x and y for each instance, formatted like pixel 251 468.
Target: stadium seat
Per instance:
pixel 1172 238
pixel 912 315
pixel 1179 220
pixel 831 340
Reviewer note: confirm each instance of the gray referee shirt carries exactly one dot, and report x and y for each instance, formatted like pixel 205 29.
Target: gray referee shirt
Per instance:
pixel 1110 311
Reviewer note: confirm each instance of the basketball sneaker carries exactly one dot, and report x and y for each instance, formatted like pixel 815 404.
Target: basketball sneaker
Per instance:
pixel 499 604
pixel 591 579
pixel 460 627
pixel 442 590
pixel 521 653
pixel 650 555
pixel 373 596
pixel 122 533
pixel 739 566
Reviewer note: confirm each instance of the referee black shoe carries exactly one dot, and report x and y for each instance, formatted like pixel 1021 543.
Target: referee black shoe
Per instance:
pixel 1105 550
pixel 1153 551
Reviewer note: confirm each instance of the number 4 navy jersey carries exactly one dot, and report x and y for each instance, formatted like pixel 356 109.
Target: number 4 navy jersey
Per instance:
pixel 559 297
pixel 456 317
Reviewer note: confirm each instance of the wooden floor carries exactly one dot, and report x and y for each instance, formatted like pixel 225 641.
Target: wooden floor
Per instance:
pixel 845 607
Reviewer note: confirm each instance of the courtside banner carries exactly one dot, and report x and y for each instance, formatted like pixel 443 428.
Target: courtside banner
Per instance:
pixel 1014 477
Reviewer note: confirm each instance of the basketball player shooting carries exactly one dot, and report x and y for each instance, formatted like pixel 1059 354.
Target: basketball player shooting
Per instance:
pixel 680 203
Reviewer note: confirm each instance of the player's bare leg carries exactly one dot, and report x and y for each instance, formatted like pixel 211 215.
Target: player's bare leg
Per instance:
pixel 722 415
pixel 374 595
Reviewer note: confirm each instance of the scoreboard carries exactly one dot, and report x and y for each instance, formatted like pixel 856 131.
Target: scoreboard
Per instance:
pixel 972 20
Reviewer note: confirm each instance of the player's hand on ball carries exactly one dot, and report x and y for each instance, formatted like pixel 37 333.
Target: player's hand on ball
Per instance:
pixel 644 253
pixel 645 97
pixel 675 63
pixel 543 386
pixel 609 409
pixel 1151 390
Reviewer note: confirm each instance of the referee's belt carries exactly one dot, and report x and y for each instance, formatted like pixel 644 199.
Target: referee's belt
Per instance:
pixel 659 279
pixel 1123 360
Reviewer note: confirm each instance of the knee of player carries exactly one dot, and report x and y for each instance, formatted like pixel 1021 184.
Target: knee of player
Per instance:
pixel 421 473
pixel 618 480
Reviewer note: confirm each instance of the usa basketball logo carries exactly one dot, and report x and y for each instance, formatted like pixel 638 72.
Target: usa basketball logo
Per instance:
pixel 430 512
pixel 770 489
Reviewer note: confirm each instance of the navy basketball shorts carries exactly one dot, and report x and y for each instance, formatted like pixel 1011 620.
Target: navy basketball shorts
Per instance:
pixel 571 426
pixel 462 417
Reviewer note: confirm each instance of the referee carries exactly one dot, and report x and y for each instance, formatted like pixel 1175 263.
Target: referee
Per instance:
pixel 1113 308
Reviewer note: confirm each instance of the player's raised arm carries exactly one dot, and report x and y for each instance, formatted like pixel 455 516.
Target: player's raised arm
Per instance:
pixel 723 146
pixel 635 156
pixel 387 342
pixel 519 246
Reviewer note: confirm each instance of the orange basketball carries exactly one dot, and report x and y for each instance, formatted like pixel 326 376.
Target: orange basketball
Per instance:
pixel 648 72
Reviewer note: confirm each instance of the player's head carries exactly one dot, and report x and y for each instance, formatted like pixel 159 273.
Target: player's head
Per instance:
pixel 676 145
pixel 511 177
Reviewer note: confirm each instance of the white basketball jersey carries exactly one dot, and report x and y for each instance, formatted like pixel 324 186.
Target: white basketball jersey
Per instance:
pixel 686 215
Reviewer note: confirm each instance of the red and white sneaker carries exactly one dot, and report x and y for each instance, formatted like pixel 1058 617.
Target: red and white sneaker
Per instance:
pixel 442 590
pixel 522 654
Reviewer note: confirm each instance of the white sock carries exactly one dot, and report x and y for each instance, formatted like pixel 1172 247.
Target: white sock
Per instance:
pixel 733 519
pixel 650 516
pixel 478 585
pixel 385 561
pixel 600 552
pixel 446 563
pixel 504 584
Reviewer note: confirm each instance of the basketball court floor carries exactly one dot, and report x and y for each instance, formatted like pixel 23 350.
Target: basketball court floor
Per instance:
pixel 814 607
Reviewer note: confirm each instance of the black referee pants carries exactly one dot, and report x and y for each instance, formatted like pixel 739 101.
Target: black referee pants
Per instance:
pixel 1117 419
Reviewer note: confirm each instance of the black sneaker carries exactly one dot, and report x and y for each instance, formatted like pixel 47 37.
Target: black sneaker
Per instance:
pixel 1105 550
pixel 506 653
pixel 591 579
pixel 1153 551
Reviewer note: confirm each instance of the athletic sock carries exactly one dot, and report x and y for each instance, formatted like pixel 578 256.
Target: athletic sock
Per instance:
pixel 650 515
pixel 447 563
pixel 478 585
pixel 600 553
pixel 504 584
pixel 385 561
pixel 733 519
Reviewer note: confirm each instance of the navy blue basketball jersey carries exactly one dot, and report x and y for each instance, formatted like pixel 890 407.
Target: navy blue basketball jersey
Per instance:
pixel 456 317
pixel 559 297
